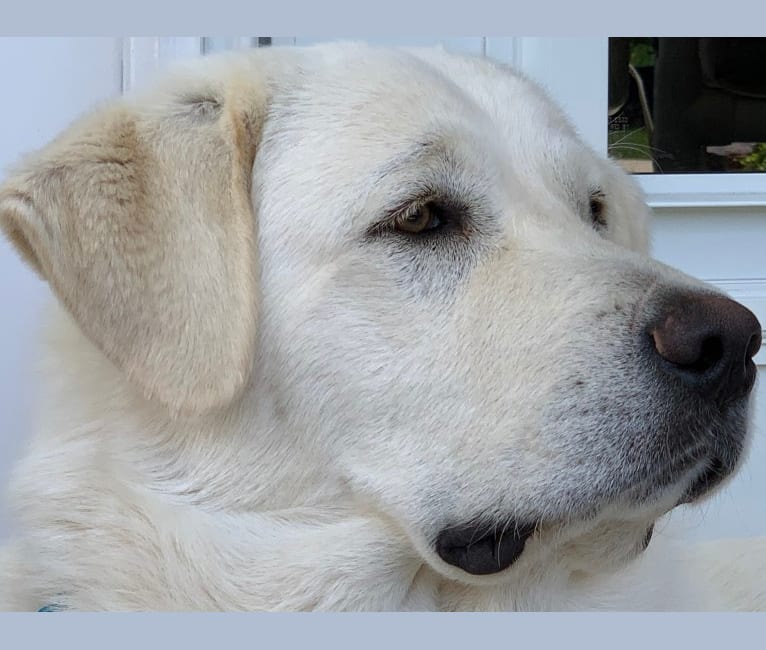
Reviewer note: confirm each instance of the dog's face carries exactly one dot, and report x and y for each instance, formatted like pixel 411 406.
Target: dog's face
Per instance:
pixel 453 297
pixel 454 301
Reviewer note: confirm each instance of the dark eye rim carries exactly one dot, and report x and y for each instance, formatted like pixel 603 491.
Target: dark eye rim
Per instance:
pixel 447 217
pixel 597 208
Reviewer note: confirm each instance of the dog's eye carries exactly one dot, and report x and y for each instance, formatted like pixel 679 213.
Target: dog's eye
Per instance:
pixel 597 209
pixel 423 218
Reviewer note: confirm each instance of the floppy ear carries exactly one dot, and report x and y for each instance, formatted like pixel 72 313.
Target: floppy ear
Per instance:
pixel 139 217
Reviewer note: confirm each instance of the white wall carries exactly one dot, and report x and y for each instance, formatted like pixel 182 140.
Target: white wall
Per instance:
pixel 46 83
pixel 724 245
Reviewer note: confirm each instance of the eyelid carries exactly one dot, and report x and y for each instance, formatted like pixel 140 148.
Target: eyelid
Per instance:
pixel 599 196
pixel 404 209
pixel 412 207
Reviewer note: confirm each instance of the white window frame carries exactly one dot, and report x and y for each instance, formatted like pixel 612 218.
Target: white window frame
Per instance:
pixel 143 56
pixel 553 61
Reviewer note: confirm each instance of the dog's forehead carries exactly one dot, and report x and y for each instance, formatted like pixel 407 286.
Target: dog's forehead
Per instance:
pixel 418 78
pixel 531 127
pixel 512 100
pixel 377 95
pixel 377 102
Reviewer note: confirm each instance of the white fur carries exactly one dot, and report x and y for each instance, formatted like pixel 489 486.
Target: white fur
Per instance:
pixel 389 392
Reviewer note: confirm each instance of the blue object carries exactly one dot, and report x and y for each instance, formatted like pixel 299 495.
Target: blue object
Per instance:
pixel 53 607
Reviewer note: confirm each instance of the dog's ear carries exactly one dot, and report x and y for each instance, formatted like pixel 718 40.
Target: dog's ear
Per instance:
pixel 140 218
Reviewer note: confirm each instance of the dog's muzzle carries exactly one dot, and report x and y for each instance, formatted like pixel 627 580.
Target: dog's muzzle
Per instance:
pixel 700 347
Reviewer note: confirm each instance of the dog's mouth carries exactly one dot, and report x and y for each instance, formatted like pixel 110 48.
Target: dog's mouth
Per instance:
pixel 481 548
pixel 481 552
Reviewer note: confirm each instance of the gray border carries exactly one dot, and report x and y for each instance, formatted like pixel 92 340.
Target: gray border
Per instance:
pixel 403 18
pixel 385 631
pixel 384 18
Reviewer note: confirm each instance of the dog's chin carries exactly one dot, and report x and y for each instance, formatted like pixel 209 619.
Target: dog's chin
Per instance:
pixel 606 535
pixel 487 555
pixel 710 480
pixel 483 553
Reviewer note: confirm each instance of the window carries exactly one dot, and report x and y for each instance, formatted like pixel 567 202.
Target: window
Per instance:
pixel 688 105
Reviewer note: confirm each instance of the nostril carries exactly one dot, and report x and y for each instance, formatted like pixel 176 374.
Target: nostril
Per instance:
pixel 711 352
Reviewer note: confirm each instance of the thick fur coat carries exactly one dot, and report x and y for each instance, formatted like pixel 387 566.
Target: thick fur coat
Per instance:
pixel 319 312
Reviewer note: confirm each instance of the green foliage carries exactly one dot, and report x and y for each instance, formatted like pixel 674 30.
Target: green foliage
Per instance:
pixel 642 52
pixel 755 161
pixel 629 143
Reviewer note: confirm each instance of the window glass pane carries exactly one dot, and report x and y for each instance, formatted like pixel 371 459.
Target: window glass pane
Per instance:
pixel 688 105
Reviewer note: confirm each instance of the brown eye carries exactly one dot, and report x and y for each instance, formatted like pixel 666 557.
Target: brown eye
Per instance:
pixel 597 210
pixel 425 218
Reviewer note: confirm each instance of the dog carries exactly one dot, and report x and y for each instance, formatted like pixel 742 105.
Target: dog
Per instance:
pixel 356 328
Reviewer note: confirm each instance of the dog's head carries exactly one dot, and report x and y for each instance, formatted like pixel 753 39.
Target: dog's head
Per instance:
pixel 425 272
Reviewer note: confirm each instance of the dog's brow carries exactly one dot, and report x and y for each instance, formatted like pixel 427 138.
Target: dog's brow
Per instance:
pixel 423 149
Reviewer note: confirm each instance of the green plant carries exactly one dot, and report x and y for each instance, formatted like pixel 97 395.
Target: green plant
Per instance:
pixel 629 143
pixel 756 160
pixel 642 52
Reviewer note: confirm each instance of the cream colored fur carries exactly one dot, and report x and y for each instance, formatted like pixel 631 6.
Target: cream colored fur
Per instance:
pixel 249 401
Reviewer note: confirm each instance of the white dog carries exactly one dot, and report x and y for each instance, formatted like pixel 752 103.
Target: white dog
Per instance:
pixel 363 329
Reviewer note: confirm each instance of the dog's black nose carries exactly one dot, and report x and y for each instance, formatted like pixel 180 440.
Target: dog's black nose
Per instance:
pixel 708 342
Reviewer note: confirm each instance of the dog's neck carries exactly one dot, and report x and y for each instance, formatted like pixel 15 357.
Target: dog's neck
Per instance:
pixel 244 458
pixel 212 512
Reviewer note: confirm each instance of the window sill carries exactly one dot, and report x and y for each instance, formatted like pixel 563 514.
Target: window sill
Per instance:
pixel 669 200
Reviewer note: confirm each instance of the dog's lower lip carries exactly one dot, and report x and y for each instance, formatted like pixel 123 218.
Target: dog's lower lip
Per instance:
pixel 477 552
